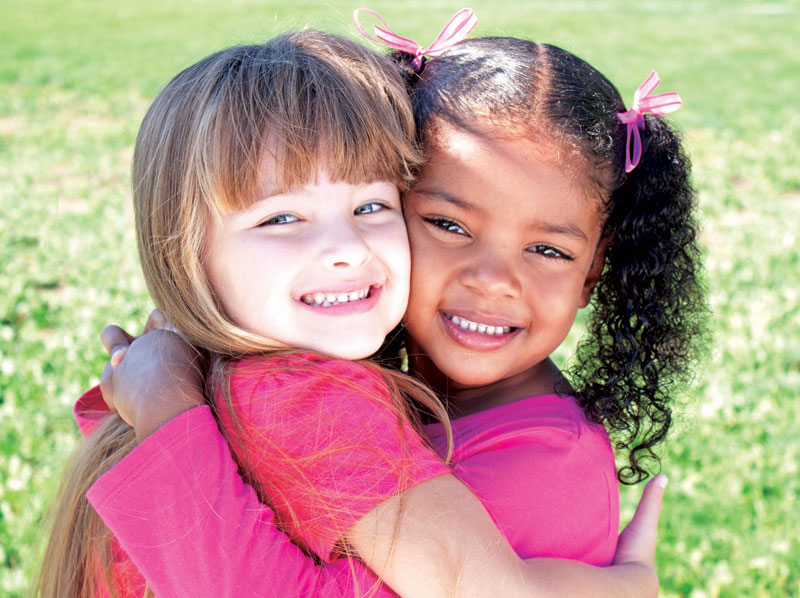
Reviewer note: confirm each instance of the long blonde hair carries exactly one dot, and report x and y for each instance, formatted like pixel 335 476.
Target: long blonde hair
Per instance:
pixel 309 98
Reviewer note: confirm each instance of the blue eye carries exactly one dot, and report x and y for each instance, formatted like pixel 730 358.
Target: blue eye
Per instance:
pixel 280 219
pixel 370 208
pixel 447 225
pixel 549 252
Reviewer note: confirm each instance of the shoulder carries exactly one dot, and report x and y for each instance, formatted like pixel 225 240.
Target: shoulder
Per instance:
pixel 304 385
pixel 297 367
pixel 535 427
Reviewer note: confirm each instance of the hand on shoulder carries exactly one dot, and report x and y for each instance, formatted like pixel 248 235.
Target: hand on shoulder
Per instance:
pixel 150 379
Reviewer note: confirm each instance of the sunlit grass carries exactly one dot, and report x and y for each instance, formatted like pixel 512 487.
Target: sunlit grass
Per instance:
pixel 75 80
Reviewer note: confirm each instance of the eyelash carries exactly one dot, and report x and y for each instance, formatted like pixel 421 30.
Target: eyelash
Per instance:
pixel 380 205
pixel 273 221
pixel 549 252
pixel 445 224
pixel 282 219
pixel 546 251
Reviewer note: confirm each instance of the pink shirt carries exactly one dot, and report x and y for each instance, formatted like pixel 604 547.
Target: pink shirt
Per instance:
pixel 323 442
pixel 178 508
pixel 545 474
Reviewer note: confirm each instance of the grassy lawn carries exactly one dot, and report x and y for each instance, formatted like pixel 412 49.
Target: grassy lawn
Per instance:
pixel 75 80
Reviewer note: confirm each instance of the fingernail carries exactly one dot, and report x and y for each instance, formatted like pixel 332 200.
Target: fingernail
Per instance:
pixel 662 480
pixel 117 355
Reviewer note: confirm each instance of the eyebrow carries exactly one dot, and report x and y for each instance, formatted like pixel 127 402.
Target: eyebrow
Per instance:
pixel 567 229
pixel 570 230
pixel 439 195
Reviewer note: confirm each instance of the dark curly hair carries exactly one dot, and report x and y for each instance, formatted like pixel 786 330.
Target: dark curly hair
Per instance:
pixel 648 323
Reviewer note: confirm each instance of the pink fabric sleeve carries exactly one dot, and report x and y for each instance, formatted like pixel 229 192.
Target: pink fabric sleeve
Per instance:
pixel 90 410
pixel 322 442
pixel 193 528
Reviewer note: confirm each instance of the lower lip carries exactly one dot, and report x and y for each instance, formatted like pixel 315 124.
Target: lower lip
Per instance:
pixel 476 340
pixel 349 308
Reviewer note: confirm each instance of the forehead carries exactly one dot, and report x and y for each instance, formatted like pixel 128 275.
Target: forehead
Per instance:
pixel 492 169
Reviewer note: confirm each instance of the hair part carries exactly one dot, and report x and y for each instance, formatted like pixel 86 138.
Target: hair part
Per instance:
pixel 648 324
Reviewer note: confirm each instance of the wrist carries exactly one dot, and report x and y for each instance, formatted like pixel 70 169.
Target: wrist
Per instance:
pixel 149 420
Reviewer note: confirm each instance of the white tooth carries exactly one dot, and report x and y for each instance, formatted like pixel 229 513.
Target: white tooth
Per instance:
pixel 363 293
pixel 482 328
pixel 473 326
pixel 506 329
pixel 330 297
pixel 326 303
pixel 353 296
pixel 456 320
pixel 319 297
pixel 342 298
pixel 490 330
pixel 464 324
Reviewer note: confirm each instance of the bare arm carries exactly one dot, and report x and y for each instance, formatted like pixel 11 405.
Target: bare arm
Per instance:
pixel 447 545
pixel 435 539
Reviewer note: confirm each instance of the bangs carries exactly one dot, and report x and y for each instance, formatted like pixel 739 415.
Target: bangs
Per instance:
pixel 299 105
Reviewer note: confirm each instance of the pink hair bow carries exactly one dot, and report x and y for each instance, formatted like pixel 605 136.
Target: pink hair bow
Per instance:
pixel 663 103
pixel 455 31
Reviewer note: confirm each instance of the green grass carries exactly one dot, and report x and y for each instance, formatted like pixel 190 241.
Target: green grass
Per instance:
pixel 76 77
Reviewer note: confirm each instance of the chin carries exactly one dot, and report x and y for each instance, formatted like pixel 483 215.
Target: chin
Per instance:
pixel 350 350
pixel 472 378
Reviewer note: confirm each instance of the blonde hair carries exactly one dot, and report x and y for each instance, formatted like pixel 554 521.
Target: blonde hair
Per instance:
pixel 309 99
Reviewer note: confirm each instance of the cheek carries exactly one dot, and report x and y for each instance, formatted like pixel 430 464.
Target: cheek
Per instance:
pixel 394 250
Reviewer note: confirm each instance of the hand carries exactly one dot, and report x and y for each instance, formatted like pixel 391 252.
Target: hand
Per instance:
pixel 159 377
pixel 637 542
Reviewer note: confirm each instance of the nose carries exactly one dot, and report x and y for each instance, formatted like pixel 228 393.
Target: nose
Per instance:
pixel 492 274
pixel 344 246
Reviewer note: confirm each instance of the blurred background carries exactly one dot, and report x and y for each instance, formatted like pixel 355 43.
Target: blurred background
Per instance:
pixel 76 77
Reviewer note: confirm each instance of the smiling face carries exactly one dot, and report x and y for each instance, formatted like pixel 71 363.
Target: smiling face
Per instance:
pixel 504 242
pixel 323 267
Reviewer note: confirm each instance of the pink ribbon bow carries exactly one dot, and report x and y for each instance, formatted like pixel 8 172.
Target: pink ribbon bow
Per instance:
pixel 663 103
pixel 455 31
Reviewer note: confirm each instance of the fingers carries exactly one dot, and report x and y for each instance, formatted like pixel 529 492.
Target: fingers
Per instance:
pixel 649 506
pixel 107 385
pixel 157 321
pixel 637 542
pixel 116 341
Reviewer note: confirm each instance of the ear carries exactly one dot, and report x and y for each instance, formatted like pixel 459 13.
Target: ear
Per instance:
pixel 595 270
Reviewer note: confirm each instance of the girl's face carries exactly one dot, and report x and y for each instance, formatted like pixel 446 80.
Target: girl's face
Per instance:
pixel 324 267
pixel 504 244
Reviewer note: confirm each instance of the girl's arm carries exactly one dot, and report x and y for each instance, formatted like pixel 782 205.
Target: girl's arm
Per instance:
pixel 445 542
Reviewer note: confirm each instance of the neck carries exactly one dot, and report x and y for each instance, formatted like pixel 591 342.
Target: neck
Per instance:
pixel 460 399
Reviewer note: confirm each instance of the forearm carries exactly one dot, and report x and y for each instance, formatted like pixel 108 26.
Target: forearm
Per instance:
pixel 437 541
pixel 559 577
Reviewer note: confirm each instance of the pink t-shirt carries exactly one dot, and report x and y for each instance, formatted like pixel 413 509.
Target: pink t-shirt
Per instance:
pixel 545 475
pixel 177 506
pixel 322 441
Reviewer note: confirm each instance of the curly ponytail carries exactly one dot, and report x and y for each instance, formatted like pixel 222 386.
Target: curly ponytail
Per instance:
pixel 648 320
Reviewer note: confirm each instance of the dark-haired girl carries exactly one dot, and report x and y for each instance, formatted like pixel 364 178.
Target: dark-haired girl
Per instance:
pixel 541 194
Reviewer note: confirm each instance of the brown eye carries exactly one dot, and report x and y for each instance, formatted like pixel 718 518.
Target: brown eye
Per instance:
pixel 450 226
pixel 549 252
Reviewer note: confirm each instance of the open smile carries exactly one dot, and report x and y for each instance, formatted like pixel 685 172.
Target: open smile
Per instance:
pixel 487 329
pixel 327 299
pixel 343 302
pixel 478 336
